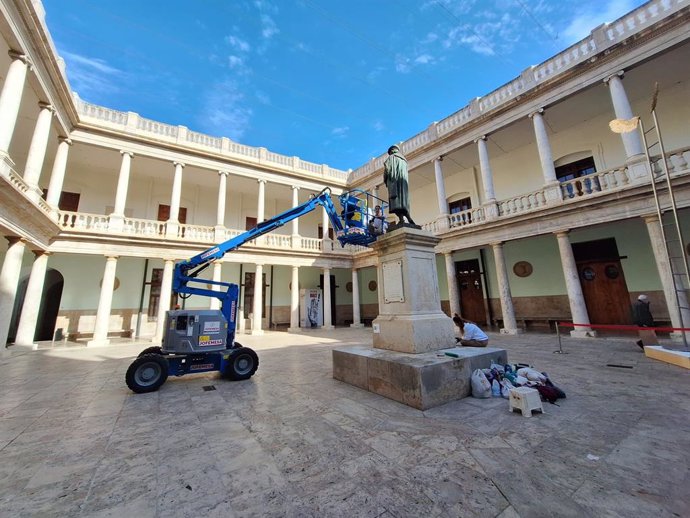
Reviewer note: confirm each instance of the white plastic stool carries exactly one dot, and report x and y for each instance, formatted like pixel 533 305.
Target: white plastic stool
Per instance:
pixel 525 399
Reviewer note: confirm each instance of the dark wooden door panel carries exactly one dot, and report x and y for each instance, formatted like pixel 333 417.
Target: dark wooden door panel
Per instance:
pixel 605 292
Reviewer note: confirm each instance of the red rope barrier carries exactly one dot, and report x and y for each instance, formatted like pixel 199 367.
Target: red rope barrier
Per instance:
pixel 622 327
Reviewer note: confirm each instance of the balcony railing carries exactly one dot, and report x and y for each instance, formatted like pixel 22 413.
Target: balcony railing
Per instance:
pixel 595 184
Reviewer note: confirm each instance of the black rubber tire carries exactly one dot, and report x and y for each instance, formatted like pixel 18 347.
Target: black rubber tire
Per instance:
pixel 242 365
pixel 151 350
pixel 147 373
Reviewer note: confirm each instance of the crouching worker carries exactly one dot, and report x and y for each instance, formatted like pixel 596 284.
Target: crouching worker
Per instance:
pixel 472 336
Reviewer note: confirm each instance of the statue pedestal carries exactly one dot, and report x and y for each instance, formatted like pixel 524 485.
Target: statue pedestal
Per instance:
pixel 411 334
pixel 410 318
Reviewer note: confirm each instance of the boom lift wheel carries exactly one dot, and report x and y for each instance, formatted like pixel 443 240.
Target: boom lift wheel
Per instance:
pixel 147 373
pixel 151 350
pixel 242 364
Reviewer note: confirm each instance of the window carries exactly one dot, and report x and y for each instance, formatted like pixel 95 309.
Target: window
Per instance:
pixel 249 294
pixel 155 292
pixel 460 205
pixel 164 213
pixel 575 170
pixel 330 233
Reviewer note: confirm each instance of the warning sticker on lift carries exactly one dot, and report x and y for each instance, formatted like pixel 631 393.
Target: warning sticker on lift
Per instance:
pixel 205 341
pixel 212 328
pixel 201 366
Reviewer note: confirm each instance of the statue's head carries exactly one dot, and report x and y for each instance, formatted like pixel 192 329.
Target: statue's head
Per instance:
pixel 393 149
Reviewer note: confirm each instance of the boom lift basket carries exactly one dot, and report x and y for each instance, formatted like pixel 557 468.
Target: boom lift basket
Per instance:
pixel 357 217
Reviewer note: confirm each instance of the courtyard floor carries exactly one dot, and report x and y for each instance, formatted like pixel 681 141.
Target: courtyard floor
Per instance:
pixel 292 441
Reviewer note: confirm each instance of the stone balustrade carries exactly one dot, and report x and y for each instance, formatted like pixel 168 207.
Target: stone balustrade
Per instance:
pixel 523 203
pixel 131 122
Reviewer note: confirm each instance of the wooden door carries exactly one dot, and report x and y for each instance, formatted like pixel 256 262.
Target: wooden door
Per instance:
pixel 605 292
pixel 469 280
pixel 164 213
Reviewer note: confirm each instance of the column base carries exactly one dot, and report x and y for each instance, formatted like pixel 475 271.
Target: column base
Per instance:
pixel 511 331
pixel 256 332
pixel 638 169
pixel 293 329
pixel 328 328
pixel 357 325
pixel 583 334
pixel 98 343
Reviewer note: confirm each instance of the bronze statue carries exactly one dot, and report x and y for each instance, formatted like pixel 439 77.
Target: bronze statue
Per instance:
pixel 395 178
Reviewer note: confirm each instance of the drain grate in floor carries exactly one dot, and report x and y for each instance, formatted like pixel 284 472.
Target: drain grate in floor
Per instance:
pixel 208 388
pixel 619 366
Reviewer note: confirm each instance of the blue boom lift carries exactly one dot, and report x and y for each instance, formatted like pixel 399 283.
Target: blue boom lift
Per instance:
pixel 204 340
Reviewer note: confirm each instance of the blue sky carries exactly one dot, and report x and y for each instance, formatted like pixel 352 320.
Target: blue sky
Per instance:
pixel 333 82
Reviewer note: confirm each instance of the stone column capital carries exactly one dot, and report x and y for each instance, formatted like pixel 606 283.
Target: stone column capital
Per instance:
pixel 650 218
pixel 124 152
pixel 112 257
pixel 15 239
pixel 66 140
pixel 39 252
pixel 46 106
pixel 481 137
pixel 295 187
pixel 223 173
pixel 497 244
pixel 538 111
pixel 562 233
pixel 17 55
pixel 261 180
pixel 178 163
pixel 437 159
pixel 618 74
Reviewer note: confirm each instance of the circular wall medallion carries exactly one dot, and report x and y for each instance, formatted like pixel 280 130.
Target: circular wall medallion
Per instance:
pixel 348 287
pixel 372 285
pixel 522 269
pixel 588 274
pixel 611 271
pixel 116 284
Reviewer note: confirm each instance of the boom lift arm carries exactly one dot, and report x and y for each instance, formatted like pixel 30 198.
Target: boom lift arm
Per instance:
pixel 186 271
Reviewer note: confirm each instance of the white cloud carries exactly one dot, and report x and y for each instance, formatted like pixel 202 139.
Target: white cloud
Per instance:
pixel 425 59
pixel 92 75
pixel 584 21
pixel 238 43
pixel 225 111
pixel 262 97
pixel 268 27
pixel 340 132
pixel 235 61
pixel 379 126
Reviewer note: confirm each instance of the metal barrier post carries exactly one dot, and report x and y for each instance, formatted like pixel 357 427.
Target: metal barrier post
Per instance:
pixel 560 346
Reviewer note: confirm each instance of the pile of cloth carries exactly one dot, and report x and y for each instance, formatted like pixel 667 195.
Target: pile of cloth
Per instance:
pixel 497 381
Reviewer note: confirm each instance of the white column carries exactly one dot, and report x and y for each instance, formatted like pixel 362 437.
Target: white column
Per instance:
pixel 57 176
pixel 123 183
pixel 100 331
pixel 10 99
pixel 176 193
pixel 453 295
pixel 261 203
pixel 544 146
pixel 117 218
pixel 327 317
pixel 173 223
pixel 440 186
pixel 578 308
pixel 164 301
pixel 217 276
pixel 666 276
pixel 258 300
pixel 294 300
pixel 326 243
pixel 37 150
pixel 509 324
pixel 222 194
pixel 26 330
pixel 485 166
pixel 356 310
pixel 621 106
pixel 9 280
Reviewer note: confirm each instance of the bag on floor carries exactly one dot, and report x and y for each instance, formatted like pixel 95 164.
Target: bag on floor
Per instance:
pixel 531 374
pixel 547 393
pixel 481 388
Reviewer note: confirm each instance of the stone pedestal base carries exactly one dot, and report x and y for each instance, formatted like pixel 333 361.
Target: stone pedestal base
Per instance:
pixel 413 333
pixel 99 343
pixel 583 334
pixel 421 381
